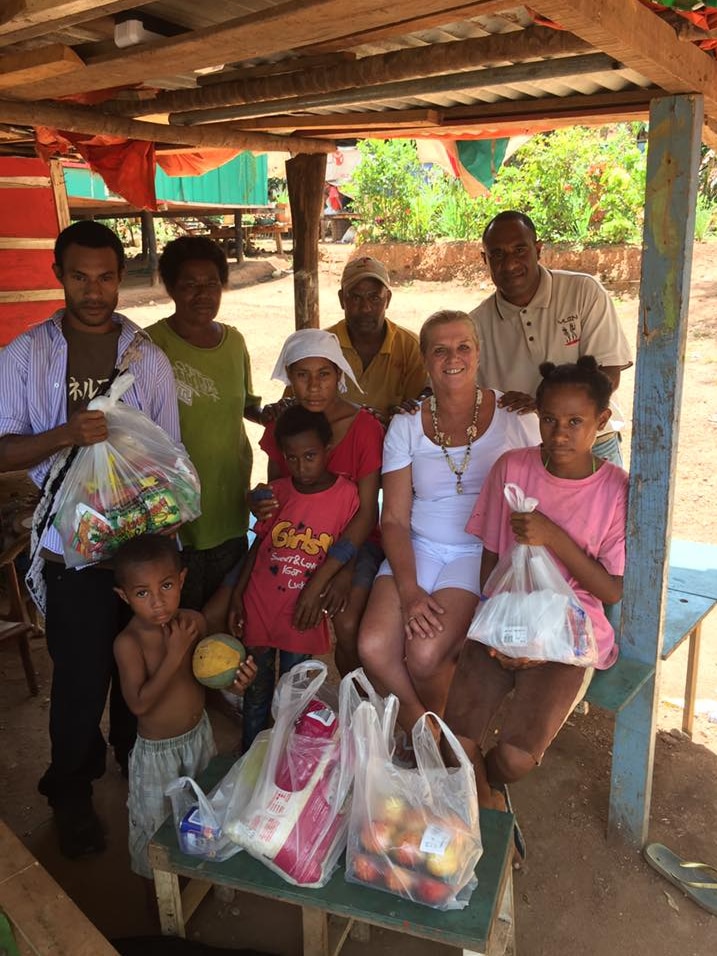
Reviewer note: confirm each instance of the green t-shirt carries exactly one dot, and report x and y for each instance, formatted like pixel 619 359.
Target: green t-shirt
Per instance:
pixel 213 389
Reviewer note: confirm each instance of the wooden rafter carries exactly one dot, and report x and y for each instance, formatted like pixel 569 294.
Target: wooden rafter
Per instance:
pixel 535 43
pixel 27 19
pixel 638 38
pixel 346 121
pixel 296 64
pixel 532 72
pixel 43 62
pixel 485 120
pixel 262 34
pixel 77 119
pixel 413 24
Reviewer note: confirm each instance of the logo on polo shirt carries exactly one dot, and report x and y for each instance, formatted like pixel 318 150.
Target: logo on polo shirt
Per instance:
pixel 570 328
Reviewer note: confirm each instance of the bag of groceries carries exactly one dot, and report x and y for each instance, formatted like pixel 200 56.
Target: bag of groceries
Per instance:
pixel 137 481
pixel 297 818
pixel 414 833
pixel 529 610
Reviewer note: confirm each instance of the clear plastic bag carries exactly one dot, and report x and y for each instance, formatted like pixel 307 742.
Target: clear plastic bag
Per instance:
pixel 531 611
pixel 413 833
pixel 137 481
pixel 297 817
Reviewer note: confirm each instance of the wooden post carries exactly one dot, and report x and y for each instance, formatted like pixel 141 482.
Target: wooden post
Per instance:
pixel 305 175
pixel 149 237
pixel 671 196
pixel 238 236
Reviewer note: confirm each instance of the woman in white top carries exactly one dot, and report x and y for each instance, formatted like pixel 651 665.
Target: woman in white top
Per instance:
pixel 434 465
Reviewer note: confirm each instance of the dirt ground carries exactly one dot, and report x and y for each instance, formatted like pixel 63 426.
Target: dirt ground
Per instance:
pixel 575 893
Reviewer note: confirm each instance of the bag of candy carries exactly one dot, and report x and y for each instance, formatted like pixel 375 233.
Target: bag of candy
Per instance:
pixel 529 610
pixel 413 832
pixel 137 481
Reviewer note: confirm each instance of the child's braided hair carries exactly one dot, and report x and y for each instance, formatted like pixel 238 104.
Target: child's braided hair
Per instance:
pixel 584 373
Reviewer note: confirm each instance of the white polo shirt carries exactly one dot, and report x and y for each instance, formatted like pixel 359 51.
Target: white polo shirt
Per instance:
pixel 570 315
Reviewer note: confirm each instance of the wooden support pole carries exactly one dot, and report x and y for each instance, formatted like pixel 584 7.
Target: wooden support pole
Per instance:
pixel 238 236
pixel 671 197
pixel 149 242
pixel 305 176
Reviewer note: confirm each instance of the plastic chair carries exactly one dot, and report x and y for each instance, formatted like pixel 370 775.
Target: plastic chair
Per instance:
pixel 15 621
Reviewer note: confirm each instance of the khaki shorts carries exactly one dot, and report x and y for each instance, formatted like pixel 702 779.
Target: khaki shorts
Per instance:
pixel 541 699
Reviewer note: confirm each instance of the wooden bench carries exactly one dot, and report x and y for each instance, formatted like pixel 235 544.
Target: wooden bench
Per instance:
pixel 484 927
pixel 691 595
pixel 41 916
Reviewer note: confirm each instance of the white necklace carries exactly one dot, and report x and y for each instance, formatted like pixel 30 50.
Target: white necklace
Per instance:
pixel 444 440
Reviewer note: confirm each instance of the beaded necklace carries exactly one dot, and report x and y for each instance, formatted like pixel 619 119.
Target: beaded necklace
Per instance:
pixel 444 440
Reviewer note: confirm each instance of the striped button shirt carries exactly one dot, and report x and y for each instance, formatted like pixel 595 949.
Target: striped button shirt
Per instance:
pixel 33 390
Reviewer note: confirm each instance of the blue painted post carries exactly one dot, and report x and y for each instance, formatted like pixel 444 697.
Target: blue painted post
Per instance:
pixel 671 196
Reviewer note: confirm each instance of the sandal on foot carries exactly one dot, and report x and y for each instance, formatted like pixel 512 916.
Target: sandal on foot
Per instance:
pixel 696 880
pixel 518 838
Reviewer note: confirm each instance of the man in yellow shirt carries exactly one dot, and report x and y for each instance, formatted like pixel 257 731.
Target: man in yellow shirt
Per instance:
pixel 385 357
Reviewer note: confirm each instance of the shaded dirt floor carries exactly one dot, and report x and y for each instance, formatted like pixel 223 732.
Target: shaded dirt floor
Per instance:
pixel 575 893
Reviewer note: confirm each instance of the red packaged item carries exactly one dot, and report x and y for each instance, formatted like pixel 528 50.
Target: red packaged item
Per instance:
pixel 297 819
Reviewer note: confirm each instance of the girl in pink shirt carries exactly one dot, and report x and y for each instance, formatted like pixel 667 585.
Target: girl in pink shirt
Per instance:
pixel 581 519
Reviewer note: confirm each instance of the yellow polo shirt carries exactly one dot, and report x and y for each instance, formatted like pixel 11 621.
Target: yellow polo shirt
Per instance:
pixel 394 374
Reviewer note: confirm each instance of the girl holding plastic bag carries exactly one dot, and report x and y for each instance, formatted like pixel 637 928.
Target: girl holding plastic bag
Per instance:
pixel 581 520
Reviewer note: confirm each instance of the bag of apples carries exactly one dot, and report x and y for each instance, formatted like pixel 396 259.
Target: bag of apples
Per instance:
pixel 414 833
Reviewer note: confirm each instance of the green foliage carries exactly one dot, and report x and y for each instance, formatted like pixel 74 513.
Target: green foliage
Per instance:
pixel 579 185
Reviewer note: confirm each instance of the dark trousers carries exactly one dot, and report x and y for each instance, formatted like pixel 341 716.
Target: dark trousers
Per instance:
pixel 82 619
pixel 259 694
pixel 206 569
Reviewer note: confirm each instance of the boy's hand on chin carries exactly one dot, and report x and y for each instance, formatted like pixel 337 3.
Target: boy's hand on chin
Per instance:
pixel 180 635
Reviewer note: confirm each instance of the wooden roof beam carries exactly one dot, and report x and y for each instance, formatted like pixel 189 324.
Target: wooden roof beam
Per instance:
pixel 46 62
pixel 535 43
pixel 638 38
pixel 78 119
pixel 27 19
pixel 413 24
pixel 407 89
pixel 346 121
pixel 262 34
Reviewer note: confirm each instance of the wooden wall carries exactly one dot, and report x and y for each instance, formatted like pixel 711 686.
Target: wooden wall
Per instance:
pixel 33 209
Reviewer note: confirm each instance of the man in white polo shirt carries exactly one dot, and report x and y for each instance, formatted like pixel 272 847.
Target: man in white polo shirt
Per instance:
pixel 540 315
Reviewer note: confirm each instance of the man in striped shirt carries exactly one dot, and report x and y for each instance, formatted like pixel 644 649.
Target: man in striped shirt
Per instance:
pixel 47 376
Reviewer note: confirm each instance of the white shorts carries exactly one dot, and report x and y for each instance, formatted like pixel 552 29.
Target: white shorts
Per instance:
pixel 440 566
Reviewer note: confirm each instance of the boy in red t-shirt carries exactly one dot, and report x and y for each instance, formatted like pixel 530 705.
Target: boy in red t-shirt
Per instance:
pixel 277 600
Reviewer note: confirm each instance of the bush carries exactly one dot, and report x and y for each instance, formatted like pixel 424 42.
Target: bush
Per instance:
pixel 579 185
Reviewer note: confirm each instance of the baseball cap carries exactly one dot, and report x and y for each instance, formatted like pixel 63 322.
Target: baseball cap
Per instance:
pixel 365 267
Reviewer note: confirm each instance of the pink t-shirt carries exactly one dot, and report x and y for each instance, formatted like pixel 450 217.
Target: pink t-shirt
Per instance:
pixel 359 453
pixel 592 510
pixel 293 543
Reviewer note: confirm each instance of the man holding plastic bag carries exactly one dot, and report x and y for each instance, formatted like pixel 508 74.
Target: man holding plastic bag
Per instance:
pixel 47 377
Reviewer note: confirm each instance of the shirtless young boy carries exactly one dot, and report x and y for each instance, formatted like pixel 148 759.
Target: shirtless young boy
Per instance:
pixel 154 658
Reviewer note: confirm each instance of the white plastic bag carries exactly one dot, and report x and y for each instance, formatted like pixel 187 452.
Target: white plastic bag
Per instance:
pixel 414 833
pixel 296 819
pixel 531 611
pixel 199 818
pixel 137 481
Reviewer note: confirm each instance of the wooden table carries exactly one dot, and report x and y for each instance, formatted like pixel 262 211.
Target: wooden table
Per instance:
pixel 484 927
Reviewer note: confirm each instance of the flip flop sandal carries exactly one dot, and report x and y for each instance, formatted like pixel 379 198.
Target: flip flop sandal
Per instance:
pixel 518 838
pixel 685 876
